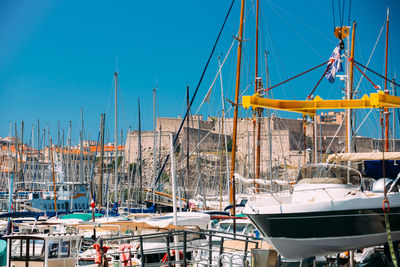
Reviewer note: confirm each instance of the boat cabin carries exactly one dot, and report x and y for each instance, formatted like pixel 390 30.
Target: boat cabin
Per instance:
pixel 42 250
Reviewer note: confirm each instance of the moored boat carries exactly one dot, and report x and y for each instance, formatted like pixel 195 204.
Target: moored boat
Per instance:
pixel 329 211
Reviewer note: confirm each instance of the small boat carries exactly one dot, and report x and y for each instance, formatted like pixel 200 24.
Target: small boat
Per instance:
pixel 43 249
pixel 329 211
pixel 71 197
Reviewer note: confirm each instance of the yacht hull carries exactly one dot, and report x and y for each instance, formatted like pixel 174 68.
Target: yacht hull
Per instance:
pixel 307 234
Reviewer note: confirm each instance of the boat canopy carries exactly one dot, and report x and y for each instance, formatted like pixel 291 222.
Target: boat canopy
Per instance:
pixel 324 173
pixel 364 156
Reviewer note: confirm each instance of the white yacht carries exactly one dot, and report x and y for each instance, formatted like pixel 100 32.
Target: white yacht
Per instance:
pixel 329 210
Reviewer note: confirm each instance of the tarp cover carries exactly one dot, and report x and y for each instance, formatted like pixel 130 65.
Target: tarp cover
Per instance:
pixel 364 156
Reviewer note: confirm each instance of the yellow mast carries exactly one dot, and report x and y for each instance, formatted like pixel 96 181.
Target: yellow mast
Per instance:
pixel 232 198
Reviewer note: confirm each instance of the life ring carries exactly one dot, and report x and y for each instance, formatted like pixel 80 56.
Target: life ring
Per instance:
pixel 125 250
pixel 165 258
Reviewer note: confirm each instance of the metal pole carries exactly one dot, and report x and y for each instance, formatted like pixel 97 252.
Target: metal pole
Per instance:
pixel 22 151
pixel 168 249
pixel 349 96
pixel 81 149
pixel 315 135
pixel 116 140
pixel 223 125
pixel 141 251
pixel 184 248
pixel 154 147
pixel 187 139
pixel 386 110
pixel 102 119
pixel 171 136
pixel 54 179
pixel 140 156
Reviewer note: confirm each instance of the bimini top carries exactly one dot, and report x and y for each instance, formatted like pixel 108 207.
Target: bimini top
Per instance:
pixel 324 173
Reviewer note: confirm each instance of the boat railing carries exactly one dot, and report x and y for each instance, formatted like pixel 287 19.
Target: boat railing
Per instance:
pixel 205 248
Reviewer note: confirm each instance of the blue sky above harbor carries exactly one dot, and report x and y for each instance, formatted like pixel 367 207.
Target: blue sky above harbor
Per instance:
pixel 57 57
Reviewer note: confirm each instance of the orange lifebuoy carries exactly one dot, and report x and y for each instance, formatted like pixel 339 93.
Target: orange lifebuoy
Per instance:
pixel 125 250
pixel 97 257
pixel 165 258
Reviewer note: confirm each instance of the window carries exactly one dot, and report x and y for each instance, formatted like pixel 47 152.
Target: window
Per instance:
pixel 64 248
pixel 18 249
pixel 53 249
pixel 36 249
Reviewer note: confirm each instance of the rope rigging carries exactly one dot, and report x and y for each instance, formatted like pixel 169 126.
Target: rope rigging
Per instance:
pixel 195 92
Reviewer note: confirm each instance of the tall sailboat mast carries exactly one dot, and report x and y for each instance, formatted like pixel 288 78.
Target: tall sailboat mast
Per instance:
pixel 187 138
pixel 232 198
pixel 116 140
pixel 140 156
pixel 258 110
pixel 81 150
pixel 154 147
pixel 386 110
pixel 103 116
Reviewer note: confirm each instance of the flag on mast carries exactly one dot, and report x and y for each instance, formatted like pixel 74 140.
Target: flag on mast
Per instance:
pixel 93 204
pixel 334 64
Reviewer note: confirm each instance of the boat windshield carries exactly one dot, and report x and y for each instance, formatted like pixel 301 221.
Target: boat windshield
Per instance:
pixel 328 174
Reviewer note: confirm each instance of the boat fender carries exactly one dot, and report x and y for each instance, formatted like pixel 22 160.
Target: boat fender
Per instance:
pixel 125 250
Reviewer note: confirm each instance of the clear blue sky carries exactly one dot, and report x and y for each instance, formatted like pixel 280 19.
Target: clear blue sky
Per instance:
pixel 57 57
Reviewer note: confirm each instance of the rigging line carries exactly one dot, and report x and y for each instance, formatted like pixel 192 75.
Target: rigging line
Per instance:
pixel 374 72
pixel 370 57
pixel 333 15
pixel 334 137
pixel 362 122
pixel 323 75
pixel 358 128
pixel 216 76
pixel 340 13
pixel 276 57
pixel 294 77
pixel 349 21
pixel 110 98
pixel 122 109
pixel 308 26
pixel 341 22
pixel 202 140
pixel 195 92
pixel 296 32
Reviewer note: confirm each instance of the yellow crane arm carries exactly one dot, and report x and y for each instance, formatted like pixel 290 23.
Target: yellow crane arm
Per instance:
pixel 375 100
